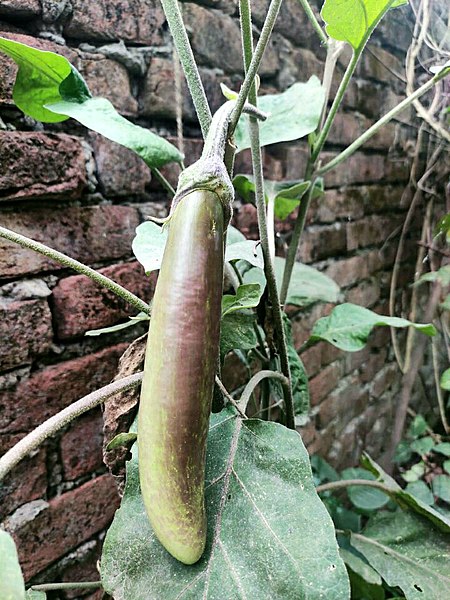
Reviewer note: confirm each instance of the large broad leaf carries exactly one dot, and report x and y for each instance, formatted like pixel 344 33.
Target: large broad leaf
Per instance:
pixel 148 245
pixel 366 499
pixel 248 250
pixel 12 586
pixel 407 553
pixel 353 21
pixel 292 115
pixel 43 78
pixel 404 498
pixel 269 536
pixel 307 284
pixel 247 296
pixel 49 89
pixel 348 326
pixel 237 332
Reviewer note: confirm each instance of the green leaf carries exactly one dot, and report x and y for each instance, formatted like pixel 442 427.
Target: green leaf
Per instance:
pixel 286 195
pixel 353 21
pixel 406 500
pixel 420 490
pixel 307 285
pixel 248 250
pixel 364 498
pixel 417 427
pixel 443 448
pixel 446 466
pixel 443 227
pixel 40 80
pixel 130 323
pixel 362 589
pixel 35 595
pixel 247 296
pixel 445 380
pixel 407 553
pixel 234 235
pixel 414 473
pixel 148 245
pixel 299 377
pixel 442 275
pixel 423 445
pixel 446 304
pixel 245 187
pixel 441 487
pixel 12 586
pixel 348 326
pixel 292 114
pixel 49 89
pixel 322 470
pixel 100 115
pixel 256 471
pixel 356 562
pixel 403 453
pixel 121 439
pixel 237 332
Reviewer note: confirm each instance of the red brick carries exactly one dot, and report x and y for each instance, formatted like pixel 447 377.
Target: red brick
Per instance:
pixel 41 166
pixel 362 168
pixel 99 72
pixel 319 242
pixel 366 293
pixel 137 21
pixel 322 384
pixel 312 359
pixel 80 304
pixel 371 231
pixel 28 402
pixel 89 234
pixel 63 523
pixel 83 568
pixel 120 171
pixel 81 446
pixel 26 482
pixel 384 379
pixel 347 127
pixel 345 204
pixel 25 331
pixel 344 403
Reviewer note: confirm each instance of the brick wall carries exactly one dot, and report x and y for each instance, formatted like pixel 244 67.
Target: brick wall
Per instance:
pixel 85 196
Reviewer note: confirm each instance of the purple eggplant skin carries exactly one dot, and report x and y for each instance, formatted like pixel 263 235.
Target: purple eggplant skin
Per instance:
pixel 180 366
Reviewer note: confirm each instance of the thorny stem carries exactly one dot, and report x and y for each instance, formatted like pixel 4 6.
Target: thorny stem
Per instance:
pixel 82 585
pixel 381 122
pixel 175 20
pixel 314 22
pixel 261 208
pixel 252 68
pixel 255 380
pixel 51 426
pixel 66 261
pixel 337 485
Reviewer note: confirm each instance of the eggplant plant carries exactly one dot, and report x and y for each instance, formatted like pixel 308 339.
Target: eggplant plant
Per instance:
pixel 224 504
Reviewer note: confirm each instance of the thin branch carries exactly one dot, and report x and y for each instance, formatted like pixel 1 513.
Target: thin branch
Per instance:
pixel 384 119
pixel 82 585
pixel 338 485
pixel 163 181
pixel 229 397
pixel 66 261
pixel 255 380
pixel 253 67
pixel 175 20
pixel 314 22
pixel 48 428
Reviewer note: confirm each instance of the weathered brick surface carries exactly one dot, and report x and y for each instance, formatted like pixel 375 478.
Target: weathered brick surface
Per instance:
pixel 90 235
pixel 32 400
pixel 80 304
pixel 25 331
pixel 20 8
pixel 41 166
pixel 81 446
pixel 137 21
pixel 63 523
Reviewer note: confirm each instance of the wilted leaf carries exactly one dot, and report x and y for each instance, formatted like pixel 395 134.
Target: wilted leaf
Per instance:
pixel 12 586
pixel 353 21
pixel 253 468
pixel 348 326
pixel 292 114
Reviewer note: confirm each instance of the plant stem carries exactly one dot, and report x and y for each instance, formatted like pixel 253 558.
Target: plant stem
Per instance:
pixel 253 67
pixel 226 394
pixel 261 209
pixel 175 20
pixel 66 261
pixel 384 119
pixel 163 181
pixel 295 240
pixel 255 380
pixel 439 394
pixel 314 22
pixel 48 587
pixel 335 106
pixel 52 425
pixel 337 485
